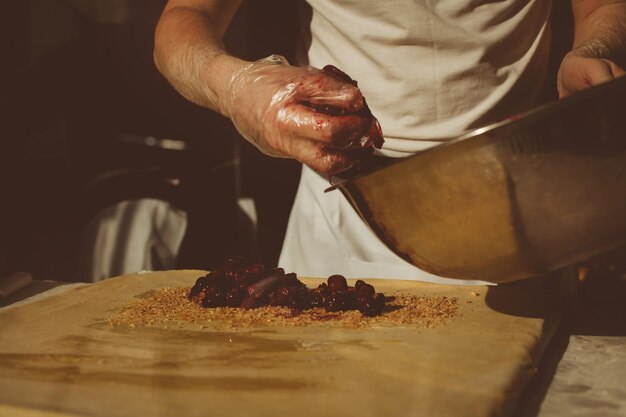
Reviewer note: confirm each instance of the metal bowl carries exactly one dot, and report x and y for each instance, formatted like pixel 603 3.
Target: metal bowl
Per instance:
pixel 531 194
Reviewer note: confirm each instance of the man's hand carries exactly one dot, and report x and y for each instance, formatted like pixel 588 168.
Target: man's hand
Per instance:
pixel 304 113
pixel 599 52
pixel 578 72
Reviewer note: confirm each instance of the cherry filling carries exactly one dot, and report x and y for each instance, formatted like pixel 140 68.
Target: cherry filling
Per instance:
pixel 240 284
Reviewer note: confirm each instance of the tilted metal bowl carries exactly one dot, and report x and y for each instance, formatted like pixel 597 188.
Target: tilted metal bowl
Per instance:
pixel 525 196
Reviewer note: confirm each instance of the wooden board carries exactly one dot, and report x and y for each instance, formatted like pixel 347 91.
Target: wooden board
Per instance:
pixel 58 356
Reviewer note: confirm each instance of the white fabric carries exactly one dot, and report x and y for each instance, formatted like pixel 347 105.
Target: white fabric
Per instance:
pixel 435 68
pixel 429 69
pixel 133 236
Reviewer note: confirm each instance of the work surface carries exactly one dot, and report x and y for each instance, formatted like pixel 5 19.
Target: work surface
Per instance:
pixel 58 354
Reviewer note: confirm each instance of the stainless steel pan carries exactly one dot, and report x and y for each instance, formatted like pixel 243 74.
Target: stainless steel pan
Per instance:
pixel 525 196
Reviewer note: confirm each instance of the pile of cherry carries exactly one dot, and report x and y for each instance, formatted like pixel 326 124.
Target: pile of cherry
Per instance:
pixel 238 283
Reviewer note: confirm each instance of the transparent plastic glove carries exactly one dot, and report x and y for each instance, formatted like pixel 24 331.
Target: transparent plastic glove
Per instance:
pixel 318 117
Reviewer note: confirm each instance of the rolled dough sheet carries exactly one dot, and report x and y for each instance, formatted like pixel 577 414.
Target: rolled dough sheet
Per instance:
pixel 59 355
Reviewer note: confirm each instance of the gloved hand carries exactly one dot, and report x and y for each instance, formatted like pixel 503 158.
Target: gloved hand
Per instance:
pixel 318 117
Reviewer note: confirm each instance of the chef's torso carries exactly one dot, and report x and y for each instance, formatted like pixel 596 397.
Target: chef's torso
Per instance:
pixel 429 69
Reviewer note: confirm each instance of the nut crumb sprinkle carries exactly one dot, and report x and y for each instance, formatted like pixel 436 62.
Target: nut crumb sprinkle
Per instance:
pixel 167 306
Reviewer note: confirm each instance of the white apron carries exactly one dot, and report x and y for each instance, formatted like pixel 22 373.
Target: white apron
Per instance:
pixel 429 69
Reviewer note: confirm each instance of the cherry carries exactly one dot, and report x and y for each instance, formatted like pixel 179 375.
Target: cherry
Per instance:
pixel 234 297
pixel 214 297
pixel 365 289
pixel 280 296
pixel 239 284
pixel 337 283
pixel 337 301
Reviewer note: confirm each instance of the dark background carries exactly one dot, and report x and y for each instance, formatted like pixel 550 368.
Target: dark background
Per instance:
pixel 82 96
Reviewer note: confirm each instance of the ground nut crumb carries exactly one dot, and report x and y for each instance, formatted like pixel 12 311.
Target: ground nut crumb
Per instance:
pixel 171 306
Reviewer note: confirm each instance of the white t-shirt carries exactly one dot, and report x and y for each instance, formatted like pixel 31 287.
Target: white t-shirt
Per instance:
pixel 430 70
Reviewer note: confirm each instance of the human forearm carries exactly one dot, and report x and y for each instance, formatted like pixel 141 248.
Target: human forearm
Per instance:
pixel 190 53
pixel 600 29
pixel 318 117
